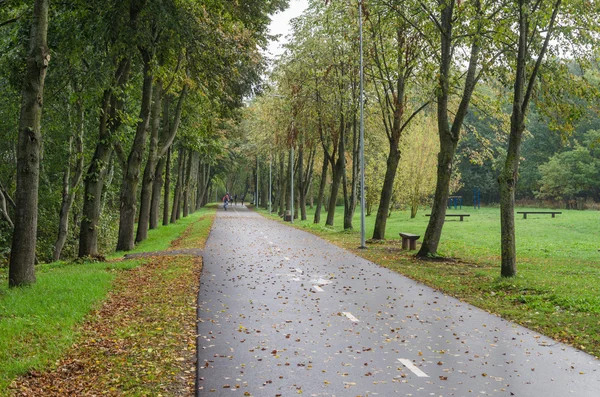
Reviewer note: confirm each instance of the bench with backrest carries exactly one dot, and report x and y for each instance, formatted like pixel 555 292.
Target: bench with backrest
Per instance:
pixel 538 212
pixel 462 216
pixel 409 241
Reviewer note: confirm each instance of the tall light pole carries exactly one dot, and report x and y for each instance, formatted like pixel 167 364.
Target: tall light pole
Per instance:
pixel 270 188
pixel 256 201
pixel 292 173
pixel 362 133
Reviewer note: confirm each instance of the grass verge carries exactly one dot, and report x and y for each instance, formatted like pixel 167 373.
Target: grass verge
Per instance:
pixel 147 305
pixel 554 293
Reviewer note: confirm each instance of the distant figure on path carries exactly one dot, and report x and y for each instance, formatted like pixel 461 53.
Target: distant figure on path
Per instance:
pixel 242 200
pixel 226 200
pixel 235 199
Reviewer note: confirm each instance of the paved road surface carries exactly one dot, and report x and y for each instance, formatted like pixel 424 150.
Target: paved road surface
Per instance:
pixel 284 313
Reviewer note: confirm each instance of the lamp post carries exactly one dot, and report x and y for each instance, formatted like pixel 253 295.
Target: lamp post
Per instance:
pixel 270 188
pixel 362 133
pixel 256 193
pixel 292 174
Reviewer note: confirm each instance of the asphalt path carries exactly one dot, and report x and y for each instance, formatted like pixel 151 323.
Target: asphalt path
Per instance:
pixel 284 313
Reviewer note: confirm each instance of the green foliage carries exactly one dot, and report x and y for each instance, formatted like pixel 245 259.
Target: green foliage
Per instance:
pixel 569 174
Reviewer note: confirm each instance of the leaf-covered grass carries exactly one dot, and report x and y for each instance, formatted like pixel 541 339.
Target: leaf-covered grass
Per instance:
pixel 555 291
pixel 40 322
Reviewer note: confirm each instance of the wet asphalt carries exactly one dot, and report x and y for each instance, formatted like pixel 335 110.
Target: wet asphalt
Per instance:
pixel 285 313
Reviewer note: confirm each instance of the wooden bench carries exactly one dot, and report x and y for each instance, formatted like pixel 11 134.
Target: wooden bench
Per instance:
pixel 462 216
pixel 409 239
pixel 538 212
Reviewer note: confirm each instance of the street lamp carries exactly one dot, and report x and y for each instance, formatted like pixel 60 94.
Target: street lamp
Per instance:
pixel 270 188
pixel 362 133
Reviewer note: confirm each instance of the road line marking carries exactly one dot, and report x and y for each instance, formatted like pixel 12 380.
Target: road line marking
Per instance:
pixel 318 289
pixel 321 281
pixel 350 317
pixel 408 364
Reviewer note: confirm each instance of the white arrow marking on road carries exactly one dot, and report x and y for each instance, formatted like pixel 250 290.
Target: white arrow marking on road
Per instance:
pixel 350 317
pixel 408 364
pixel 318 289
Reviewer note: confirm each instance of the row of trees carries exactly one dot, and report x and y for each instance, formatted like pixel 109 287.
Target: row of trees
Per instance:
pixel 136 98
pixel 427 63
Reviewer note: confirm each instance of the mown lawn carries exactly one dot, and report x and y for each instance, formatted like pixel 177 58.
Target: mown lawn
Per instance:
pixel 556 290
pixel 39 323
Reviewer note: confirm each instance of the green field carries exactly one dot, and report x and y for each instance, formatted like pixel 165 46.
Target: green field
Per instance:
pixel 557 288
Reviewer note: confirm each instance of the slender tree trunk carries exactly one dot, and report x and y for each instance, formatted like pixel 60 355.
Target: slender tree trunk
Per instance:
pixel 449 132
pixel 351 197
pixel 22 256
pixel 523 89
pixel 150 168
pixel 335 187
pixel 167 192
pixel 322 186
pixel 156 192
pixel 300 193
pixel 284 178
pixel 177 196
pixel 508 184
pixel 307 182
pixel 338 170
pixel 70 183
pixel 94 179
pixel 187 184
pixel 386 192
pixel 200 189
pixel 131 173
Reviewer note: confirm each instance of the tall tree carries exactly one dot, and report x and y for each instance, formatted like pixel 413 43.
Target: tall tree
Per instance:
pixel 446 26
pixel 399 64
pixel 527 68
pixel 22 260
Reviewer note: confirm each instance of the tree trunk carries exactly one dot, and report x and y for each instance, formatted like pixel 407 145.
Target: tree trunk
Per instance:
pixel 338 170
pixel 351 198
pixel 200 189
pixel 156 192
pixel 322 186
pixel 307 182
pixel 150 168
pixel 301 197
pixel 386 192
pixel 70 183
pixel 337 173
pixel 94 179
pixel 4 210
pixel 449 132
pixel 177 195
pixel 186 184
pixel 523 89
pixel 167 192
pixel 283 186
pixel 22 256
pixel 131 175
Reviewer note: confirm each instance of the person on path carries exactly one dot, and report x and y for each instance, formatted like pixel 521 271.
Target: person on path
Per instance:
pixel 235 199
pixel 225 201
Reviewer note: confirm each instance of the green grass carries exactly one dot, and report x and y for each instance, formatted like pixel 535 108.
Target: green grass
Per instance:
pixel 556 288
pixel 38 323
